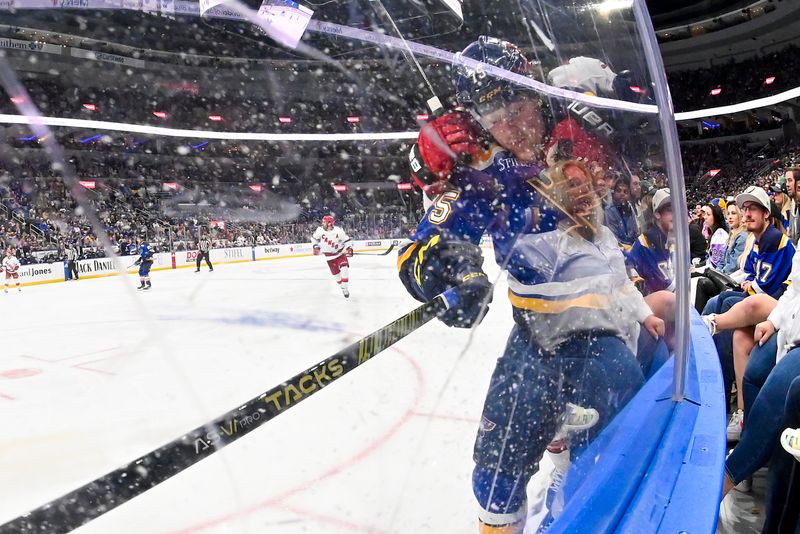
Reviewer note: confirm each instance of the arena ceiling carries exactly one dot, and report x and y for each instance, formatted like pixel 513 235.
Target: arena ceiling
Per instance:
pixel 428 21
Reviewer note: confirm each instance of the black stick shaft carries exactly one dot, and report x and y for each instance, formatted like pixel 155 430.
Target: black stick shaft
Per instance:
pixel 384 253
pixel 121 485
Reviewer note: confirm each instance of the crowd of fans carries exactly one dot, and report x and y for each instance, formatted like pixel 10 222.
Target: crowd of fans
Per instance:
pixel 738 81
pixel 40 218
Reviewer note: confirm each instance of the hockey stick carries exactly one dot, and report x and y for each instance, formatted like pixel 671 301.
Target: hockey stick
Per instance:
pixel 384 253
pixel 94 499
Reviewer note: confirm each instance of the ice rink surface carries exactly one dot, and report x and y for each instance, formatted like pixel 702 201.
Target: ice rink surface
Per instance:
pixel 94 374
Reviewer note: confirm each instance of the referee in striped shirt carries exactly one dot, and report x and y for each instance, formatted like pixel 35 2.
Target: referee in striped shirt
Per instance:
pixel 203 251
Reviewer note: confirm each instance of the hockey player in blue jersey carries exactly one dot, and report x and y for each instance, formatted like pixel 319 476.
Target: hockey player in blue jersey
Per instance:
pixel 145 261
pixel 651 255
pixel 483 165
pixel 584 335
pixel 480 163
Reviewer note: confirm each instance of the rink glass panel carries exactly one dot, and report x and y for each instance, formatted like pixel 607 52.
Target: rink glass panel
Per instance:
pixel 214 129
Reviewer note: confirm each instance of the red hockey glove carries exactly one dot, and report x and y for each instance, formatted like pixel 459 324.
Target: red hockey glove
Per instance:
pixel 569 140
pixel 446 140
pixel 316 250
pixel 348 252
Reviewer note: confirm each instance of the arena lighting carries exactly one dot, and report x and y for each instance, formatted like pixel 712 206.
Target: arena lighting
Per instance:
pixel 422 116
pixel 405 186
pixel 611 5
pixel 636 89
pixel 353 119
pixel 215 118
pixel 713 172
pixel 742 106
pixel 285 120
pixel 17 99
pixel 716 91
pixel 340 188
pixel 90 139
pixel 160 114
pixel 6 118
pixel 31 138
pixel 770 80
pixel 90 107
pixel 170 185
pixel 198 146
pixel 256 187
pixel 208 134
pixel 88 184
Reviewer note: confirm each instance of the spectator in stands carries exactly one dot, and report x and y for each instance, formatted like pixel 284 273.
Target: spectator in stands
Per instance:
pixel 697 243
pixel 767 268
pixel 619 216
pixel 773 367
pixel 709 285
pixel 651 254
pixel 645 216
pixel 600 181
pixel 715 228
pixel 793 187
pixel 782 512
pixel 737 239
pixel 636 196
pixel 780 195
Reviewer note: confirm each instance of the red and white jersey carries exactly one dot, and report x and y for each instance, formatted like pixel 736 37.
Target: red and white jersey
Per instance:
pixel 332 243
pixel 10 264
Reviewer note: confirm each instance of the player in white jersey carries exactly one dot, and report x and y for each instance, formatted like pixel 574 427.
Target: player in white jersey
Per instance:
pixel 11 267
pixel 337 246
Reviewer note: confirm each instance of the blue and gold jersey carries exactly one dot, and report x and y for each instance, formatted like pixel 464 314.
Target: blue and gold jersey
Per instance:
pixel 496 195
pixel 651 256
pixel 769 263
pixel 146 252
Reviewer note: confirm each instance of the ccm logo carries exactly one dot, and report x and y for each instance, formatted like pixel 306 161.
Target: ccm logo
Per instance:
pixel 591 118
pixel 412 159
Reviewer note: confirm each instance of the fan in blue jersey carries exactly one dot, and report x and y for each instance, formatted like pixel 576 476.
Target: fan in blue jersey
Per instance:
pixel 651 255
pixel 145 261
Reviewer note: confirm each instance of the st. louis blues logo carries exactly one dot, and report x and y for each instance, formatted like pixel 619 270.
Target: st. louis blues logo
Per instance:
pixel 486 425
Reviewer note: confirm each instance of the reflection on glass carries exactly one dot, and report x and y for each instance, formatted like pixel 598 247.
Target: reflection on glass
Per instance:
pixel 510 157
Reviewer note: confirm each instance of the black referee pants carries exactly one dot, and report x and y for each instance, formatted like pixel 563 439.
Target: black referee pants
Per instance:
pixel 204 255
pixel 72 266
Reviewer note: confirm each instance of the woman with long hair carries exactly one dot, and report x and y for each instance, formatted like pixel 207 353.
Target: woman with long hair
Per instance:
pixel 737 238
pixel 734 247
pixel 715 228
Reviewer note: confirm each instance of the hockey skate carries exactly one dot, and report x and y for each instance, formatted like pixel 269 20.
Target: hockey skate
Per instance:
pixel 346 293
pixel 574 419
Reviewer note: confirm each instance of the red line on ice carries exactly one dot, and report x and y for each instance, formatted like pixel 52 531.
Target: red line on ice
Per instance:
pixel 26 372
pixel 356 458
pixel 448 417
pixel 331 520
